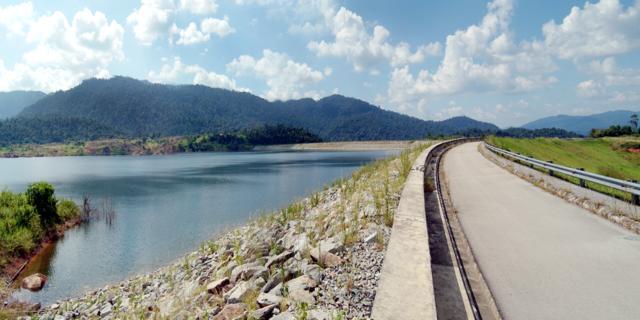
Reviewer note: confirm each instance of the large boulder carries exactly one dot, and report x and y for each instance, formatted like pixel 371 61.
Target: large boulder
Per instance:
pixel 266 299
pixel 247 271
pixel 217 286
pixel 242 290
pixel 263 313
pixel 231 312
pixel 34 282
pixel 279 259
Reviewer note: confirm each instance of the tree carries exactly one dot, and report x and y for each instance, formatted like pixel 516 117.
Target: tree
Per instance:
pixel 634 121
pixel 41 197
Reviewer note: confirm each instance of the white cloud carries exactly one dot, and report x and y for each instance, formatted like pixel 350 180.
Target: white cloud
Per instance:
pixel 176 71
pixel 16 18
pixel 152 19
pixel 64 53
pixel 193 35
pixel 483 57
pixel 286 78
pixel 365 50
pixel 155 19
pixel 199 6
pixel 598 29
pixel 610 82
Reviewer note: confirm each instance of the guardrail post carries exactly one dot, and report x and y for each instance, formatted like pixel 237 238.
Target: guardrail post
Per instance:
pixel 583 183
pixel 635 199
pixel 550 171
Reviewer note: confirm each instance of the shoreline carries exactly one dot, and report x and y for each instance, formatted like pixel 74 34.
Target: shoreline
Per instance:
pixel 340 146
pixel 331 240
pixel 12 271
pixel 57 150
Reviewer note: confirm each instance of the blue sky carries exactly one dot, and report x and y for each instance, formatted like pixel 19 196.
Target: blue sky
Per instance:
pixel 504 61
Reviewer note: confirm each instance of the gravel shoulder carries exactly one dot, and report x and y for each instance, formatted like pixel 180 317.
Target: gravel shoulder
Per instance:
pixel 318 258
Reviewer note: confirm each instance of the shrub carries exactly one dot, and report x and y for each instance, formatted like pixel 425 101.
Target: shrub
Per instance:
pixel 67 210
pixel 19 225
pixel 40 196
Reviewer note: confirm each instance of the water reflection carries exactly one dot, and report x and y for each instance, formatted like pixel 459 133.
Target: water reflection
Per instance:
pixel 166 205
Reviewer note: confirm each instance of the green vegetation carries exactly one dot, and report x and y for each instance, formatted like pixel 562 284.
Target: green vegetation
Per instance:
pixel 28 218
pixel 617 130
pixel 137 109
pixel 50 130
pixel 242 140
pixel 536 133
pixel 614 157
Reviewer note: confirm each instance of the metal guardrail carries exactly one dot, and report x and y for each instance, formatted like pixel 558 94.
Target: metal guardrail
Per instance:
pixel 631 187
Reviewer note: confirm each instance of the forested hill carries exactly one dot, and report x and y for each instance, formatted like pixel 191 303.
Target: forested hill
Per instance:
pixel 11 103
pixel 583 124
pixel 140 108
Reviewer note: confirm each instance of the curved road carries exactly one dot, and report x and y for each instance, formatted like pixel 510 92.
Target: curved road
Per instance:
pixel 542 257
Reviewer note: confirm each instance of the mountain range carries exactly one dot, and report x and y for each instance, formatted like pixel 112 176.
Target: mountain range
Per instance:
pixel 583 124
pixel 11 103
pixel 138 108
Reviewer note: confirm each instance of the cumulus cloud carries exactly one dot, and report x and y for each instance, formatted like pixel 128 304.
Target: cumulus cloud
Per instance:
pixel 16 18
pixel 610 82
pixel 483 57
pixel 152 19
pixel 64 52
pixel 210 26
pixel 155 19
pixel 285 78
pixel 597 29
pixel 175 71
pixel 199 6
pixel 364 49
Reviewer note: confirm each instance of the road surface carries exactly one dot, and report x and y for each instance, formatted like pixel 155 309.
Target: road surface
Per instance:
pixel 542 258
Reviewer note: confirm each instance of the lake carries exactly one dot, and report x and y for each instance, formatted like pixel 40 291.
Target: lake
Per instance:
pixel 165 206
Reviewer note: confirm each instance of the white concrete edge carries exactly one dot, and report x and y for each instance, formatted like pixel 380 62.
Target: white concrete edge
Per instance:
pixel 405 288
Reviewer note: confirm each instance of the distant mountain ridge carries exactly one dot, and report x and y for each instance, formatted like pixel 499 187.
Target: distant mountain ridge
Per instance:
pixel 583 124
pixel 12 102
pixel 140 108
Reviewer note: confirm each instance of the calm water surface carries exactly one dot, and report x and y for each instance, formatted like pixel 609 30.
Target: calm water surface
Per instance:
pixel 166 205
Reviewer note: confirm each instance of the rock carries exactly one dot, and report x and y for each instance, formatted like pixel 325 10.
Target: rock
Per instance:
pixel 239 292
pixel 302 296
pixel 370 238
pixel 287 315
pixel 217 286
pixel 332 245
pixel 275 280
pixel 265 299
pixel 246 271
pixel 106 310
pixel 326 259
pixel 275 260
pixel 262 313
pixel 34 282
pixel 301 283
pixel 215 311
pixel 54 306
pixel 313 271
pixel 272 283
pixel 277 290
pixel 231 312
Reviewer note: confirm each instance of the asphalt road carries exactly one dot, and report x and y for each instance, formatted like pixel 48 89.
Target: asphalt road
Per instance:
pixel 542 258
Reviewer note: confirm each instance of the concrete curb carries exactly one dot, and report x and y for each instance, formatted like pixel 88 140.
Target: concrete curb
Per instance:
pixel 405 289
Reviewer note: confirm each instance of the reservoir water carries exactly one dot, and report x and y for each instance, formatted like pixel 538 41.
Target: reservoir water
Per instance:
pixel 165 206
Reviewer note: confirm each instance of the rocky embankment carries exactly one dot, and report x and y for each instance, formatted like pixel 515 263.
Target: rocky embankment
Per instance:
pixel 319 258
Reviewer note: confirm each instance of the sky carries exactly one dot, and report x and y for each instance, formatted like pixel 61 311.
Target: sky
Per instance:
pixel 506 61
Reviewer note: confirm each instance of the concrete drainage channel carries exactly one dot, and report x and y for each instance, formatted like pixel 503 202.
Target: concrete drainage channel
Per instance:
pixel 429 271
pixel 459 288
